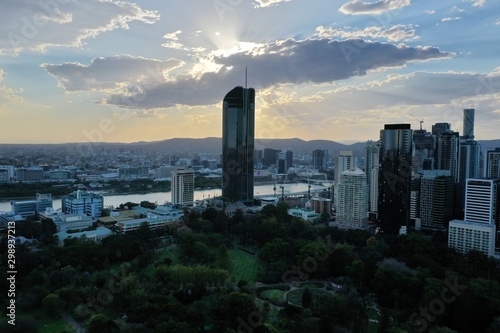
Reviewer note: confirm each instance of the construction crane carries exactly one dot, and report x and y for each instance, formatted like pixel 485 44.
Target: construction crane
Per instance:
pixel 421 121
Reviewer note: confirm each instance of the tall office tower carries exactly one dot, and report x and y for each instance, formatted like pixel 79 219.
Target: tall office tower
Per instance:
pixel 352 199
pixel 440 128
pixel 183 186
pixel 372 165
pixel 436 199
pixel 269 156
pixel 238 127
pixel 468 123
pixel 319 159
pixel 482 201
pixel 424 146
pixel 288 159
pixel 345 161
pixel 477 231
pixel 492 164
pixel 415 197
pixel 258 158
pixel 448 148
pixel 281 163
pixel 82 202
pixel 395 176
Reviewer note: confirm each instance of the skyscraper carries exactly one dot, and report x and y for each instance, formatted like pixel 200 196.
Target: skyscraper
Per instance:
pixel 238 127
pixel 468 124
pixel 319 159
pixel 448 147
pixel 394 177
pixel 345 161
pixel 372 166
pixel 436 199
pixel 183 186
pixel 492 164
pixel 352 199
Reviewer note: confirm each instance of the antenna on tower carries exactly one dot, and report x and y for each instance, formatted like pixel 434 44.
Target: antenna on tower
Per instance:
pixel 246 77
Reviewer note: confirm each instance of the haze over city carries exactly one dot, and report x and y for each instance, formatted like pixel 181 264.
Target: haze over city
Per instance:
pixel 74 71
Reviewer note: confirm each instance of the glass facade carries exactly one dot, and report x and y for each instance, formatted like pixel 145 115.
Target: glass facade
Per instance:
pixel 238 127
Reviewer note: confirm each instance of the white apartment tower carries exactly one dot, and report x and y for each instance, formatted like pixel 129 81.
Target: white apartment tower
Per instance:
pixel 183 186
pixel 345 161
pixel 352 200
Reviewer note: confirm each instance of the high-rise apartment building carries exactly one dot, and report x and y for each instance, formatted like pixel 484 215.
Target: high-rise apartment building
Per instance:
pixel 492 164
pixel 352 199
pixel 394 177
pixel 238 136
pixel 345 161
pixel 182 186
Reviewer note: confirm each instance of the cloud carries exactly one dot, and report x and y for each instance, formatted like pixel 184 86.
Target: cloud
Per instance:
pixel 430 11
pixel 446 19
pixel 395 33
pixel 289 61
pixel 268 3
pixel 32 25
pixel 478 3
pixel 8 95
pixel 111 72
pixel 359 7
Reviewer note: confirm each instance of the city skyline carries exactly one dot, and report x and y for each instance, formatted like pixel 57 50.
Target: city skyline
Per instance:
pixel 74 71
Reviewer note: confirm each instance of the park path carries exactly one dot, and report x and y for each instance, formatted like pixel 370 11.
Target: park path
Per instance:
pixel 76 326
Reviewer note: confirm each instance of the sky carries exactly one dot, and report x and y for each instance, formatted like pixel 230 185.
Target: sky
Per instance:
pixel 120 71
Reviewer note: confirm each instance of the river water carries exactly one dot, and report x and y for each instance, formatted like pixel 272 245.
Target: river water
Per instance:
pixel 162 197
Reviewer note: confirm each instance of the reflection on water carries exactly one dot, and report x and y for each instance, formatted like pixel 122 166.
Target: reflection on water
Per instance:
pixel 162 197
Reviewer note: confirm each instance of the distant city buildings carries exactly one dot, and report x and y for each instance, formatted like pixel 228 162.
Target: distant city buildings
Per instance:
pixel 182 185
pixel 492 163
pixel 345 161
pixel 238 127
pixel 436 199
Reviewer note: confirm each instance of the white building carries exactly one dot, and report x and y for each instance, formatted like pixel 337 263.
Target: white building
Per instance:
pixel 482 200
pixel 93 235
pixel 81 202
pixel 345 161
pixel 32 207
pixel 464 236
pixel 352 203
pixel 67 222
pixel 305 214
pixel 154 221
pixel 183 187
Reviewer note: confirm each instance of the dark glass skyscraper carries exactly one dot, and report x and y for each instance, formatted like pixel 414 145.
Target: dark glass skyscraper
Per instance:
pixel 395 177
pixel 238 127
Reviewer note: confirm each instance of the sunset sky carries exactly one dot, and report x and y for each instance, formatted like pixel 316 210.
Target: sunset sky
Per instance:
pixel 119 71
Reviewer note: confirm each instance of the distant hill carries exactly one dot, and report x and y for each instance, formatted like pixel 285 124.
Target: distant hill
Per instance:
pixel 209 145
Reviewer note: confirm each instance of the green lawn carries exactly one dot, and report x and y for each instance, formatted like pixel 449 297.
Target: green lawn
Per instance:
pixel 273 294
pixel 295 296
pixel 244 266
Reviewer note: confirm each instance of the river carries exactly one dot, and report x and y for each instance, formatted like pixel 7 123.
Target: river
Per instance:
pixel 161 197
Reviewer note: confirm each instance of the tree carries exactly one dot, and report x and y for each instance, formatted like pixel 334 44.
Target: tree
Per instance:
pixel 148 204
pixel 356 270
pixel 274 250
pixel 100 323
pixel 306 298
pixel 52 305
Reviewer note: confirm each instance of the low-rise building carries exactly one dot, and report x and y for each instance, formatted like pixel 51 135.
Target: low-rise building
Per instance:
pixel 464 236
pixel 94 235
pixel 68 222
pixel 32 207
pixel 303 213
pixel 154 221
